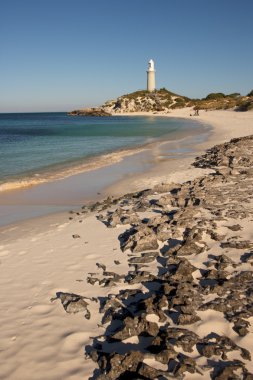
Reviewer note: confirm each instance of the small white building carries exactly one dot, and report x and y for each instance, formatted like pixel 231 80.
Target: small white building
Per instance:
pixel 151 76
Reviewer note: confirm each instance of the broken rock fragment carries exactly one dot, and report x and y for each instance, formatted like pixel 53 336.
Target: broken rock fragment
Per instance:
pixel 73 303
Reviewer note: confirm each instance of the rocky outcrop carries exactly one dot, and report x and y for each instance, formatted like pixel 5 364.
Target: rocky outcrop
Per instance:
pixel 90 112
pixel 143 101
pixel 189 257
pixel 163 101
pixel 73 303
pixel 139 101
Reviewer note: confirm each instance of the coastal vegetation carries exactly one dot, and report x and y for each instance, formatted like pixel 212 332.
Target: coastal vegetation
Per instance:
pixel 163 100
pixel 218 101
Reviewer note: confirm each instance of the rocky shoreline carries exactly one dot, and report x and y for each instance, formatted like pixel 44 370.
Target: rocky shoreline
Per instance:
pixel 94 111
pixel 190 263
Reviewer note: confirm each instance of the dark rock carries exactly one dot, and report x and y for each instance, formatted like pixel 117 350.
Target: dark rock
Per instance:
pixel 76 236
pixel 220 346
pixel 139 239
pixel 234 370
pixel 235 227
pixel 241 327
pixel 142 259
pixel 135 327
pixel 247 257
pixel 101 266
pixel 152 305
pixel 164 232
pixel 92 280
pixel 222 261
pixel 114 276
pixel 115 365
pixel 186 364
pixel 215 236
pixel 183 270
pixel 185 217
pixel 188 319
pixel 243 244
pixel 73 303
pixel 148 372
pixel 107 282
pixel 150 254
pixel 190 248
pixel 141 206
pixel 89 112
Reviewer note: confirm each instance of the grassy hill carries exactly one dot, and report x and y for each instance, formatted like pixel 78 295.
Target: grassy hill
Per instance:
pixel 164 100
pixel 221 101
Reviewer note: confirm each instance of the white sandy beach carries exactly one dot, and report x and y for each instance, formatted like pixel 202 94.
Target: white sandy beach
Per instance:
pixel 39 257
pixel 226 125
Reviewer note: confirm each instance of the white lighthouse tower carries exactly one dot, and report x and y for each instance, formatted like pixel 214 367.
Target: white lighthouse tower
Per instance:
pixel 151 76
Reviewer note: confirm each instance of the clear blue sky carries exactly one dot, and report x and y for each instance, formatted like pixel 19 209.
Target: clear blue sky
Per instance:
pixel 60 54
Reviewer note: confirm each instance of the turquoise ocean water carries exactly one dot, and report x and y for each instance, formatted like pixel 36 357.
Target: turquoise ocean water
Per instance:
pixel 33 145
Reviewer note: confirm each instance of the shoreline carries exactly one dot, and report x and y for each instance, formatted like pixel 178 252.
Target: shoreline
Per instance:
pixel 62 171
pixel 56 253
pixel 220 132
pixel 179 170
pixel 89 185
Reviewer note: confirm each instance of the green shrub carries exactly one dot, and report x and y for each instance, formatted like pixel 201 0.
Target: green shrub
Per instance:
pixel 167 104
pixel 234 95
pixel 178 105
pixel 164 91
pixel 245 105
pixel 203 105
pixel 136 94
pixel 215 96
pixel 191 104
pixel 250 93
pixel 230 104
pixel 179 100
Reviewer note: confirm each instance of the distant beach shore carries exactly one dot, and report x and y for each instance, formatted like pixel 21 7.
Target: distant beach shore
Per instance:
pixel 225 125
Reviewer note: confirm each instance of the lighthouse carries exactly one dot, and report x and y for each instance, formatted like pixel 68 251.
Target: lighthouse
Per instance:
pixel 151 76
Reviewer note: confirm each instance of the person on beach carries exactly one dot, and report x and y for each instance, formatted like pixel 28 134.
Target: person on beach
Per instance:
pixel 196 113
